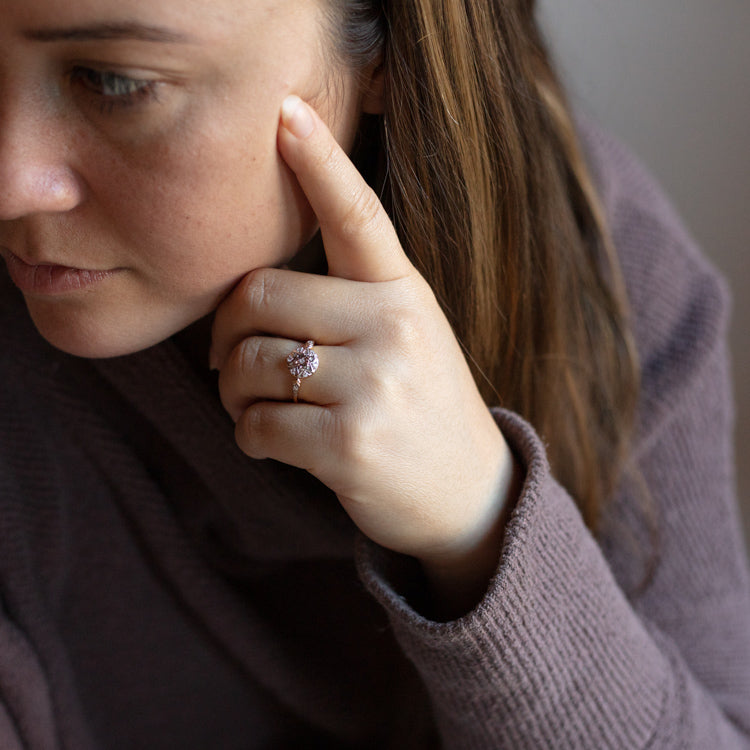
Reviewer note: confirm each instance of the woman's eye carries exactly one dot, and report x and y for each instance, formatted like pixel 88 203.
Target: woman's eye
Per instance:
pixel 112 89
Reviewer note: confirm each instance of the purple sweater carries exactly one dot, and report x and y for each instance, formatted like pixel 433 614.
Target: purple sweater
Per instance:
pixel 158 589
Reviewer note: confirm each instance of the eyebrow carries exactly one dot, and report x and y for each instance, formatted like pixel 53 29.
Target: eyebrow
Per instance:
pixel 108 31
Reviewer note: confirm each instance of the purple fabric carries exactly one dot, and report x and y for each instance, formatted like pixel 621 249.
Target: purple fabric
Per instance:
pixel 159 590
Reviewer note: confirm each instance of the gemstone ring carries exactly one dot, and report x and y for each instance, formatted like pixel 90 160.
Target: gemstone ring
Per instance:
pixel 302 362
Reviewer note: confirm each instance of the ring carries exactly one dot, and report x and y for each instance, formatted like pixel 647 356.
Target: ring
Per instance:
pixel 302 362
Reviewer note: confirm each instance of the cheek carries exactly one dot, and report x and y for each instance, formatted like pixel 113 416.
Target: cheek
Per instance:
pixel 198 214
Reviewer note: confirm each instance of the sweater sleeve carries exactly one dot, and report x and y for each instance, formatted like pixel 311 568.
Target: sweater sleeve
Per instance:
pixel 561 652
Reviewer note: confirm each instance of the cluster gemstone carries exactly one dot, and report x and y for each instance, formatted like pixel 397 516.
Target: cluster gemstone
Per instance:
pixel 303 361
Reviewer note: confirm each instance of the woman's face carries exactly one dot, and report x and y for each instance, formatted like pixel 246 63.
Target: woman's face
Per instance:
pixel 139 175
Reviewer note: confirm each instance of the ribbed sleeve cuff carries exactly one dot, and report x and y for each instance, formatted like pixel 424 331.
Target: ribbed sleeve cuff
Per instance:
pixel 553 655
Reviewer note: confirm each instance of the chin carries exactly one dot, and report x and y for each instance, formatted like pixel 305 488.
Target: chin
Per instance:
pixel 92 346
pixel 97 339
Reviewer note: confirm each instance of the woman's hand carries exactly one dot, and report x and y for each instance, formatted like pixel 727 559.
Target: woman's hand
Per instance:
pixel 391 421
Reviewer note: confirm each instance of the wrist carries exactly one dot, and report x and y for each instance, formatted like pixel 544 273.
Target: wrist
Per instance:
pixel 459 574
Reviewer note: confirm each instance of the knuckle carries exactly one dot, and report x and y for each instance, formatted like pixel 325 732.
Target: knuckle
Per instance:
pixel 404 328
pixel 241 364
pixel 363 213
pixel 257 289
pixel 250 433
pixel 355 437
pixel 248 355
pixel 243 359
pixel 328 158
pixel 387 386
pixel 377 382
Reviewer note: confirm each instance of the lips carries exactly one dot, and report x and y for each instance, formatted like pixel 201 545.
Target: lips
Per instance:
pixel 48 278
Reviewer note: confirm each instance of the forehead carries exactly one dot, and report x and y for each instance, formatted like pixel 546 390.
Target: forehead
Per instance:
pixel 204 19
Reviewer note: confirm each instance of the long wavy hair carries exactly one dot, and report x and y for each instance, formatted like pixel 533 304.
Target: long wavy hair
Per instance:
pixel 485 181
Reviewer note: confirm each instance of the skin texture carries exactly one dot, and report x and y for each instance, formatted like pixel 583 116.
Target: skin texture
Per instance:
pixel 182 194
pixel 193 199
pixel 427 482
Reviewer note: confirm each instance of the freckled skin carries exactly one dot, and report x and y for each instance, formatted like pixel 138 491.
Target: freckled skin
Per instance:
pixel 183 194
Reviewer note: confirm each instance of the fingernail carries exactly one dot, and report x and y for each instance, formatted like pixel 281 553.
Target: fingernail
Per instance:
pixel 296 116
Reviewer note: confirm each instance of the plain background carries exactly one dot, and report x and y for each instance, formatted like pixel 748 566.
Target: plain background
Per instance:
pixel 671 78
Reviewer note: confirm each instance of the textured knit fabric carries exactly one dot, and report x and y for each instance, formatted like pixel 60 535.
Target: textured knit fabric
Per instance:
pixel 158 589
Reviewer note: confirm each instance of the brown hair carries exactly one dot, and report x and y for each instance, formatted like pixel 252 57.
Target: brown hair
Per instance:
pixel 487 187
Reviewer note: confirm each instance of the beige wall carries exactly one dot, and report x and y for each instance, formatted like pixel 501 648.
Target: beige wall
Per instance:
pixel 672 79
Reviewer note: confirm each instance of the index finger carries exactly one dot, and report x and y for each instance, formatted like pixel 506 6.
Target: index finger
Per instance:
pixel 360 240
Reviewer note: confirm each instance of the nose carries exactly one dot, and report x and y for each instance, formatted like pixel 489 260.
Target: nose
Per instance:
pixel 35 176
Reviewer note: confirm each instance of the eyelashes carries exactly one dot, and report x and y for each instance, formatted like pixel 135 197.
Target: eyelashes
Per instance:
pixel 111 91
